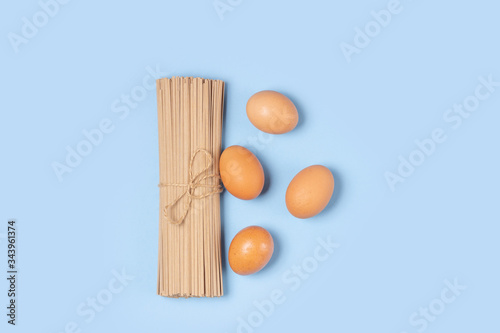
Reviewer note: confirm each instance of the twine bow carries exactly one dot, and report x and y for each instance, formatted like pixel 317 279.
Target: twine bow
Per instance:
pixel 194 182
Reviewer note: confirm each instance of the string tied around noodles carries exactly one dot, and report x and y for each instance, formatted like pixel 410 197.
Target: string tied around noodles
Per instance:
pixel 195 181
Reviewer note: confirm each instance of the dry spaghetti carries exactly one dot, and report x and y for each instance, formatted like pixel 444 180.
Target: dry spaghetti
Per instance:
pixel 189 135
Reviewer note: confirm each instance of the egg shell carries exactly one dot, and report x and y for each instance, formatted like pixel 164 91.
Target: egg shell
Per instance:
pixel 309 191
pixel 241 172
pixel 250 250
pixel 272 112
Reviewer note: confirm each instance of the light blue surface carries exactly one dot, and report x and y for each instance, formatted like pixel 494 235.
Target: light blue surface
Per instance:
pixel 397 248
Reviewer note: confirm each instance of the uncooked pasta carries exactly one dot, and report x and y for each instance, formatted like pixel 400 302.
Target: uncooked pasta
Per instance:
pixel 190 114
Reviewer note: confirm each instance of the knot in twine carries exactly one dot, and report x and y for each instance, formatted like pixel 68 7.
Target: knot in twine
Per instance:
pixel 194 182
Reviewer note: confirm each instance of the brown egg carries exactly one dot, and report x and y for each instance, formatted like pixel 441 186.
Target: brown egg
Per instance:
pixel 250 250
pixel 272 112
pixel 241 172
pixel 309 191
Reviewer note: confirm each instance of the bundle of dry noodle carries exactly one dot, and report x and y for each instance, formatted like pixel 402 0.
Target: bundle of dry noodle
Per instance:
pixel 189 132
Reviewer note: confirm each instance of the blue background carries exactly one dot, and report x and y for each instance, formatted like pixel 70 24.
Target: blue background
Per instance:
pixel 396 247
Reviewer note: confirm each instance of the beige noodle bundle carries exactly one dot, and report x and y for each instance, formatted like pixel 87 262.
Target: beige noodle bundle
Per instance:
pixel 189 133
